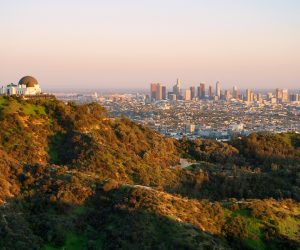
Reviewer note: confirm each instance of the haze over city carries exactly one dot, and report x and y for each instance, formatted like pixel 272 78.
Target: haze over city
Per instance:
pixel 129 44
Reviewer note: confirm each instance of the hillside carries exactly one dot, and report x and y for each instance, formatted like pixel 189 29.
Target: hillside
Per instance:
pixel 71 177
pixel 50 132
pixel 118 216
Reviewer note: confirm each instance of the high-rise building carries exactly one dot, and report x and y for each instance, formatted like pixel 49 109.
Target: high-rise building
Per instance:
pixel 178 83
pixel 157 92
pixel 249 95
pixel 222 95
pixel 202 90
pixel 273 100
pixel 153 90
pixel 193 92
pixel 218 89
pixel 198 92
pixel 177 88
pixel 269 95
pixel 294 97
pixel 252 96
pixel 259 97
pixel 164 92
pixel 235 93
pixel 279 93
pixel 172 97
pixel 210 92
pixel 187 95
pixel 227 95
pixel 285 95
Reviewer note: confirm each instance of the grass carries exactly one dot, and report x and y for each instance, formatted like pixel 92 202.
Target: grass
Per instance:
pixel 242 212
pixel 256 240
pixel 72 242
pixel 31 109
pixel 14 106
pixel 291 139
pixel 53 153
pixel 227 212
pixel 76 242
pixel 253 227
pixel 257 244
pixel 290 227
pixel 54 147
pixel 3 102
pixel 79 210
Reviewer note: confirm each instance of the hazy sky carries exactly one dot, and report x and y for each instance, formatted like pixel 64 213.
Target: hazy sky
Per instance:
pixel 130 43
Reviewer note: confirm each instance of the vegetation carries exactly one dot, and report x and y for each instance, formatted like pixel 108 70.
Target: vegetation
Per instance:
pixel 73 178
pixel 258 166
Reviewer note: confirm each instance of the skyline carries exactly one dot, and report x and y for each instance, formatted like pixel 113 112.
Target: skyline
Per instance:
pixel 158 92
pixel 169 87
pixel 99 44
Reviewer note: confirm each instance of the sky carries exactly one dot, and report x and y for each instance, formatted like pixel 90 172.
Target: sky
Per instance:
pixel 82 44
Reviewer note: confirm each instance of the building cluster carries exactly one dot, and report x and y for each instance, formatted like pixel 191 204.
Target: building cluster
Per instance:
pixel 207 118
pixel 27 86
pixel 203 112
pixel 159 92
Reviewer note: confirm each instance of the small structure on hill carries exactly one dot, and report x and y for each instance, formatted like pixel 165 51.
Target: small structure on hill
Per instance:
pixel 27 86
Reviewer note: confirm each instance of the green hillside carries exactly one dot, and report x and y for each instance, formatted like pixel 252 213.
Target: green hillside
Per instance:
pixel 71 177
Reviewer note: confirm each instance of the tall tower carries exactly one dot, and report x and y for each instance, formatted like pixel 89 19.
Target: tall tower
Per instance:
pixel 178 84
pixel 210 92
pixel 227 95
pixel 202 90
pixel 235 93
pixel 249 94
pixel 177 88
pixel 198 92
pixel 164 92
pixel 218 89
pixel 285 95
pixel 187 95
pixel 159 92
pixel 279 93
pixel 153 90
pixel 193 92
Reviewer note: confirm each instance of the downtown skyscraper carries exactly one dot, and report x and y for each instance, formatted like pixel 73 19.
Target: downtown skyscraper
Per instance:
pixel 202 91
pixel 235 93
pixel 157 92
pixel 218 90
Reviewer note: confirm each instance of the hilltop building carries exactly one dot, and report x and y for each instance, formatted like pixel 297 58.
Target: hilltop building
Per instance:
pixel 28 85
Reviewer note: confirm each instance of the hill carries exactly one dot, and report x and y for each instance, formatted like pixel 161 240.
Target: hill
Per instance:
pixel 71 177
pixel 83 138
